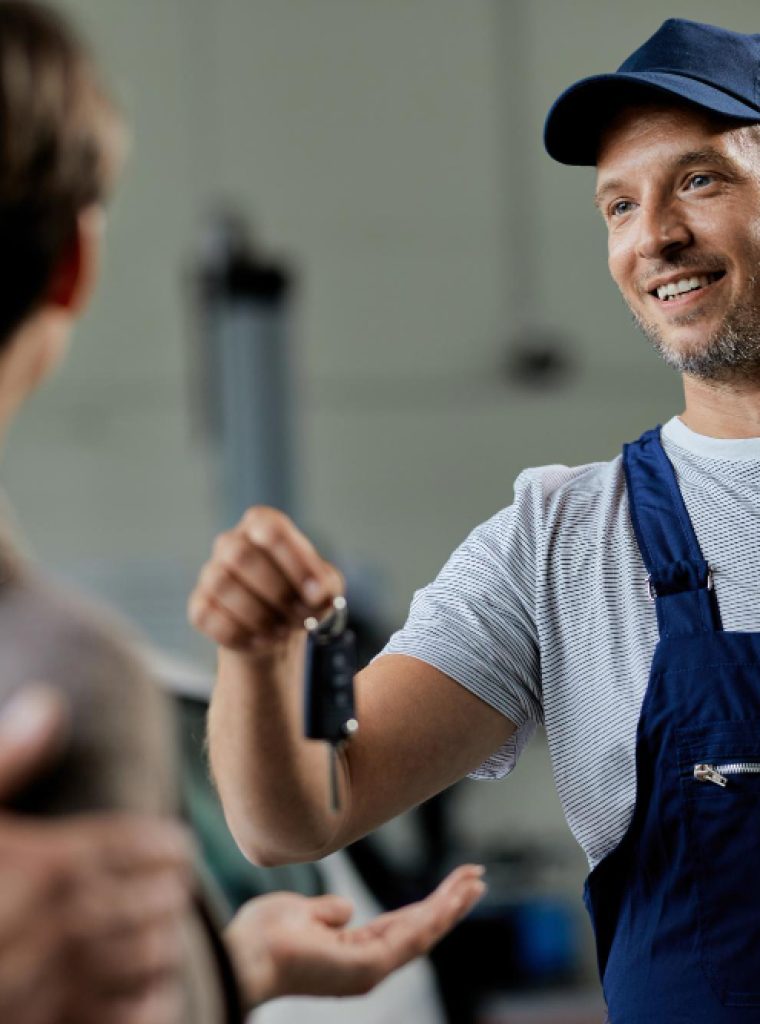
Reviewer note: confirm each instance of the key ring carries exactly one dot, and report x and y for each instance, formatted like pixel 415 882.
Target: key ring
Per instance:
pixel 334 623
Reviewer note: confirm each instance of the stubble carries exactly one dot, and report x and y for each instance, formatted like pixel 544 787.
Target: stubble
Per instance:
pixel 730 353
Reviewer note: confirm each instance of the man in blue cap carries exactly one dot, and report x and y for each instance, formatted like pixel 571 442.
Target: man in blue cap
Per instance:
pixel 616 603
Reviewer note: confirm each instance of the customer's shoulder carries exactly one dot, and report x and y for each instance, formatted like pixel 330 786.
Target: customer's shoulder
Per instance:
pixel 50 622
pixel 118 751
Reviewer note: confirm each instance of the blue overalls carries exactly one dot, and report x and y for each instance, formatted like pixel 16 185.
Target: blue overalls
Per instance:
pixel 676 905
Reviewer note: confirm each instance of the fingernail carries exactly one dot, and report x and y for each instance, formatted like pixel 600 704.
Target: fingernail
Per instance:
pixel 313 592
pixel 481 888
pixel 26 713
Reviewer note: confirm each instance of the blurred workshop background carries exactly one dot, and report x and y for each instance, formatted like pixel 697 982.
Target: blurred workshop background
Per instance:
pixel 339 239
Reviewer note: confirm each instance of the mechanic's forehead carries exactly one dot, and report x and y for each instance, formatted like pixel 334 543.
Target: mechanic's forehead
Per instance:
pixel 672 134
pixel 633 123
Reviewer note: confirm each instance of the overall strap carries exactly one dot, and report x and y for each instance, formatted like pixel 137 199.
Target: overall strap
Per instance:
pixel 680 580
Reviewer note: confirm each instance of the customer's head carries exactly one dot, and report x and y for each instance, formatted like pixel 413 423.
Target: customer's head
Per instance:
pixel 61 140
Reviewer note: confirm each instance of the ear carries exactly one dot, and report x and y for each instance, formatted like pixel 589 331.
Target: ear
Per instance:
pixel 76 273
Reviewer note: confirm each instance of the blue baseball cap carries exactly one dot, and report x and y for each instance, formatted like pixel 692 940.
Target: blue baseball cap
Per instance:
pixel 710 67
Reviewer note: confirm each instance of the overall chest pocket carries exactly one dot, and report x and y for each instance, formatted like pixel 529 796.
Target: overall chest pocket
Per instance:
pixel 719 768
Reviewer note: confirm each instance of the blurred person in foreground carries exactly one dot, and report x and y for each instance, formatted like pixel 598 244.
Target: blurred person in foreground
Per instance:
pixel 61 146
pixel 89 904
pixel 617 603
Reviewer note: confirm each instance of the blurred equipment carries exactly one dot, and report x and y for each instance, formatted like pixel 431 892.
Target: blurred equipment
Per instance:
pixel 539 359
pixel 535 354
pixel 244 367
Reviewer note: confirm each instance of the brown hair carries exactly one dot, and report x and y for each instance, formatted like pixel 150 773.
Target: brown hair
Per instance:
pixel 61 141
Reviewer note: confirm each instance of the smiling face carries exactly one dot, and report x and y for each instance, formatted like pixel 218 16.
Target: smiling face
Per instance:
pixel 680 194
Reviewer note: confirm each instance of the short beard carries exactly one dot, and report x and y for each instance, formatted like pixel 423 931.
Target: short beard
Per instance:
pixel 731 354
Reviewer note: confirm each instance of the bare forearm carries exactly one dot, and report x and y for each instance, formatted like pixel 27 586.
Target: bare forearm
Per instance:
pixel 420 730
pixel 273 782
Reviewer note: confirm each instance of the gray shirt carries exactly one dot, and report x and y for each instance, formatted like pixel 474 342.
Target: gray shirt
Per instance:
pixel 543 612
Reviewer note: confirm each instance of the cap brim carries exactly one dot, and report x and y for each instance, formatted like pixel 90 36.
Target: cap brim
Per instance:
pixel 576 120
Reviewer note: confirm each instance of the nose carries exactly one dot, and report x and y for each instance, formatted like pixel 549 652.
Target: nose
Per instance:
pixel 662 231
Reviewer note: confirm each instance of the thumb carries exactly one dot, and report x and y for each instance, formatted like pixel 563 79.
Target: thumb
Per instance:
pixel 334 911
pixel 32 728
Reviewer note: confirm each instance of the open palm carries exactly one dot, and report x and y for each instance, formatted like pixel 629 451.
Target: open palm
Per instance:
pixel 287 944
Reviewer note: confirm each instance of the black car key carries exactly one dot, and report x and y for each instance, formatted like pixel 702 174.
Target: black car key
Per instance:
pixel 329 712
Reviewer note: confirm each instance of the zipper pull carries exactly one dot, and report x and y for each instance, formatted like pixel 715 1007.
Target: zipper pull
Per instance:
pixel 706 773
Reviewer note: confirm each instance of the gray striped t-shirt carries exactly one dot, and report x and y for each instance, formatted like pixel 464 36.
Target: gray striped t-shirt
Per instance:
pixel 543 612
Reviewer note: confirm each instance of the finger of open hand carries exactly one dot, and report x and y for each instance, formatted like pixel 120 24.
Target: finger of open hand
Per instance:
pixel 334 911
pixel 443 912
pixel 311 577
pixel 423 924
pixel 440 911
pixel 400 935
pixel 411 931
pixel 362 966
pixel 457 878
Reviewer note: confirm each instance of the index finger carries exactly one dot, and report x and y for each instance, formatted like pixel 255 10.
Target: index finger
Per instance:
pixel 414 929
pixel 313 578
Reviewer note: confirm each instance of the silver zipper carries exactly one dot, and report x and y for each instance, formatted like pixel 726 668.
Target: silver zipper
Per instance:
pixel 718 773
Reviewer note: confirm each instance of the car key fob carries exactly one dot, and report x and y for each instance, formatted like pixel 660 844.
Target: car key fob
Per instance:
pixel 329 712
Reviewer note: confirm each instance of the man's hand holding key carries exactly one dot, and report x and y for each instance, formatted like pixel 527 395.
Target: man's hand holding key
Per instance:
pixel 420 730
pixel 263 580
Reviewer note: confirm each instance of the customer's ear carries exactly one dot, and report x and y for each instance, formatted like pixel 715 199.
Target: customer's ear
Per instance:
pixel 76 273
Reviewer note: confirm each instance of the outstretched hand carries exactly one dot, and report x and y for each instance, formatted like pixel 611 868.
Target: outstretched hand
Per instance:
pixel 287 944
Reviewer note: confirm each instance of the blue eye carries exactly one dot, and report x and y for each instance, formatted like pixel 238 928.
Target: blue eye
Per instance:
pixel 621 207
pixel 700 180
